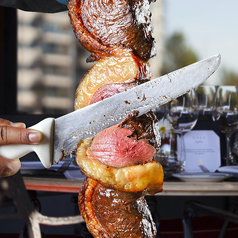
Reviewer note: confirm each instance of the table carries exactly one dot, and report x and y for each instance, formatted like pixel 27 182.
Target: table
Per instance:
pixel 170 188
pixel 62 185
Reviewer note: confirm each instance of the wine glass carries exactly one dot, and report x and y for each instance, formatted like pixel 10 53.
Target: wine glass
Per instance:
pixel 227 109
pixel 166 154
pixel 206 101
pixel 183 115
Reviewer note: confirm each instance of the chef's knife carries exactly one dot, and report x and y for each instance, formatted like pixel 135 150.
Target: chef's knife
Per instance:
pixel 62 135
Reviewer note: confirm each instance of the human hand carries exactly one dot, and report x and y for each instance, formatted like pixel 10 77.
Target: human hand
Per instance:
pixel 15 133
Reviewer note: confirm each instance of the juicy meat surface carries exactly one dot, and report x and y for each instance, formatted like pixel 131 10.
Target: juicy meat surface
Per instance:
pixel 116 147
pixel 99 207
pixel 103 26
pixel 109 90
pixel 125 144
pixel 134 178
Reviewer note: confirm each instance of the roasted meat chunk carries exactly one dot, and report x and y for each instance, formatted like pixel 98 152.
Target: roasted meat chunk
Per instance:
pixel 121 157
pixel 127 143
pixel 104 27
pixel 134 178
pixel 111 213
pixel 125 68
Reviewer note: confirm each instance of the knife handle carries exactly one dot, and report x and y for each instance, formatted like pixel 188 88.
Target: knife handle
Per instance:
pixel 44 150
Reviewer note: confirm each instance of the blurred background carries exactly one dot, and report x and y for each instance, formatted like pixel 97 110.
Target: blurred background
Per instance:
pixel 51 61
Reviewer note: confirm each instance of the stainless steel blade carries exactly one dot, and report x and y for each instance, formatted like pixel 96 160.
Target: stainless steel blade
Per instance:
pixel 90 120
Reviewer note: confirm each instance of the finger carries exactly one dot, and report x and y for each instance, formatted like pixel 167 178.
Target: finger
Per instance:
pixel 16 135
pixel 9 167
pixel 9 123
pixel 18 124
pixel 4 122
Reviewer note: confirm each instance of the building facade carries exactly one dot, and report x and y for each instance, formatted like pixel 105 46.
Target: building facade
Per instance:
pixel 51 61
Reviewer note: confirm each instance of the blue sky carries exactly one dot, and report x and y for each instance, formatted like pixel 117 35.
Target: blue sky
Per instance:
pixel 210 27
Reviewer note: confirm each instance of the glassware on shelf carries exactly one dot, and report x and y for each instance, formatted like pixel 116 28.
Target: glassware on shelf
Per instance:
pixel 227 109
pixel 183 115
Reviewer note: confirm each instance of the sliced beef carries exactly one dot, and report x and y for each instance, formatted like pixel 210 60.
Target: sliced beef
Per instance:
pixel 127 143
pixel 109 90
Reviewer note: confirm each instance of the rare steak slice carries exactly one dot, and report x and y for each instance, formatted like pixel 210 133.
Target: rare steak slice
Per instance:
pixel 129 143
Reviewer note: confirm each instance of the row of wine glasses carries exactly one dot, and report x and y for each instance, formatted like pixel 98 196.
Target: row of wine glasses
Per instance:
pixel 182 114
pixel 221 103
pixel 218 102
pixel 227 113
pixel 206 100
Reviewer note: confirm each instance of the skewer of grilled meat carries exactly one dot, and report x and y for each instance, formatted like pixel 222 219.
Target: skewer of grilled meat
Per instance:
pixel 119 160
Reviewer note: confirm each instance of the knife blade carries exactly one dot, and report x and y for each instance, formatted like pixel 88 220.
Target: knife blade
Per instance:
pixel 62 135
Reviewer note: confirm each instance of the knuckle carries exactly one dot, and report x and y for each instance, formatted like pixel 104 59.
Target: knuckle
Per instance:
pixel 3 135
pixel 24 138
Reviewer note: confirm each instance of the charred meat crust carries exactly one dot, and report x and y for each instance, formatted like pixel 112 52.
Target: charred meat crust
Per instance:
pixel 103 26
pixel 133 219
pixel 142 126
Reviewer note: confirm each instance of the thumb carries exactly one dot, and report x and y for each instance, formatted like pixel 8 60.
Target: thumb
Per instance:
pixel 19 135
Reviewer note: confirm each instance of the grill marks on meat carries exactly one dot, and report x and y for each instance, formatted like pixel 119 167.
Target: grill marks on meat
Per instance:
pixel 104 26
pixel 105 220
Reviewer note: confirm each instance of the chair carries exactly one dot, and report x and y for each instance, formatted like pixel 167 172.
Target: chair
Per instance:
pixel 13 188
pixel 192 208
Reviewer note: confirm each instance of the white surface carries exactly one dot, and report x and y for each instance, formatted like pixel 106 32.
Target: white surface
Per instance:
pixel 202 145
pixel 229 169
pixel 202 177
